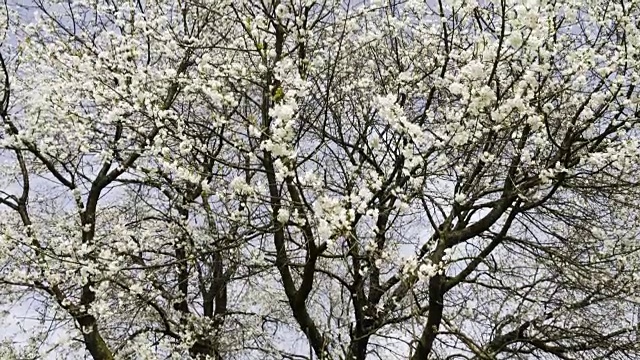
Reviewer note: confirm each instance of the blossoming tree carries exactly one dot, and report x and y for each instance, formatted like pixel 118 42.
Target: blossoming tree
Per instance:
pixel 300 179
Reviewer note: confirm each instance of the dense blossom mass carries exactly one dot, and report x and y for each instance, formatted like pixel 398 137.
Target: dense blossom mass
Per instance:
pixel 300 179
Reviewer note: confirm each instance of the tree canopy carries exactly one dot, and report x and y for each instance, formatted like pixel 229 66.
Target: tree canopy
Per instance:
pixel 300 179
